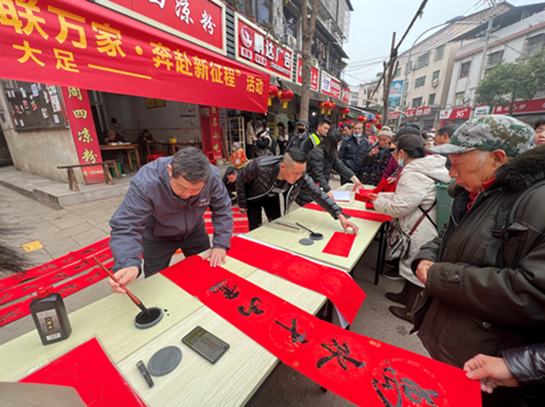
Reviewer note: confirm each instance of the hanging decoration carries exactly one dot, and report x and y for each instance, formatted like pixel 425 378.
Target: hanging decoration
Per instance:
pixel 330 106
pixel 321 105
pixel 273 92
pixel 285 96
pixel 362 119
pixel 345 111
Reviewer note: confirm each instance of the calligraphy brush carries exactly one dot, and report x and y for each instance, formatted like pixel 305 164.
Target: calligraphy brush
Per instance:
pixel 133 297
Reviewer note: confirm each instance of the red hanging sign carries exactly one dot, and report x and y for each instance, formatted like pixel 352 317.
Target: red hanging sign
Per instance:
pixel 254 46
pixel 335 284
pixel 314 75
pixel 410 112
pixel 83 130
pixel 199 21
pixel 360 369
pixel 331 86
pixel 346 95
pixel 81 44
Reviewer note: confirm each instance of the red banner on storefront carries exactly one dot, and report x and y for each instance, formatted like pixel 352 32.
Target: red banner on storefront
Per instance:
pixel 314 75
pixel 423 110
pixel 210 129
pixel 201 21
pixel 394 115
pixel 410 112
pixel 80 44
pixel 254 45
pixel 82 125
pixel 346 95
pixel 528 106
pixel 331 86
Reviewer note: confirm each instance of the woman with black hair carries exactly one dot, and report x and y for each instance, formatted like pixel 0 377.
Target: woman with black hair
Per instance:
pixel 391 172
pixel 321 160
pixel 413 207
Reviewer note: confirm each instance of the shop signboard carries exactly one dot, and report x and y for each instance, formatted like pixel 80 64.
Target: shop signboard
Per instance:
pixel 481 111
pixel 202 22
pixel 393 115
pixel 410 112
pixel 455 114
pixel 421 111
pixel 527 106
pixel 82 125
pixel 210 128
pixel 81 44
pixel 331 86
pixel 396 90
pixel 314 75
pixel 255 47
pixel 445 114
pixel 346 95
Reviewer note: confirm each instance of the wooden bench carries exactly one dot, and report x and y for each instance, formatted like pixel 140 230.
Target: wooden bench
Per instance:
pixel 73 184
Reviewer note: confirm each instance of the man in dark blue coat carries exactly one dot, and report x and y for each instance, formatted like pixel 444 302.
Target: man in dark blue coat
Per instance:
pixel 353 149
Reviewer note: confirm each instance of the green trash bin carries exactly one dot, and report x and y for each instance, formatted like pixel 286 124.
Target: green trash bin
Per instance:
pixel 444 203
pixel 112 170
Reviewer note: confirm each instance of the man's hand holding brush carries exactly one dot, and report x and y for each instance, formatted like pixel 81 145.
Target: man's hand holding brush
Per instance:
pixel 125 277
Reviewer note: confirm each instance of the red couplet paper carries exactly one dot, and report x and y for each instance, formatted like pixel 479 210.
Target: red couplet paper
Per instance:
pixel 376 217
pixel 340 244
pixel 362 195
pixel 385 186
pixel 360 369
pixel 335 284
pixel 88 370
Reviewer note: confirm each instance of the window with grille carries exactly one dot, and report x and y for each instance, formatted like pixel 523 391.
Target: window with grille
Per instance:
pixel 439 52
pixel 417 102
pixel 494 59
pixel 398 72
pixel 431 99
pixel 534 44
pixel 420 82
pixel 423 60
pixel 435 76
pixel 459 100
pixel 464 70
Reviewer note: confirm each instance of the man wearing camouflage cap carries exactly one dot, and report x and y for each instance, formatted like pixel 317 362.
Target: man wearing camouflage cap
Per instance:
pixel 485 276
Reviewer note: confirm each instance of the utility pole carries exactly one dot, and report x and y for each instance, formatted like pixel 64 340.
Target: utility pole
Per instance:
pixel 483 60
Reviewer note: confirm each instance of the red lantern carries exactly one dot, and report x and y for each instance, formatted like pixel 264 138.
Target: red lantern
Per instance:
pixel 361 119
pixel 368 125
pixel 273 91
pixel 379 126
pixel 345 111
pixel 285 96
pixel 330 107
pixel 379 116
pixel 322 105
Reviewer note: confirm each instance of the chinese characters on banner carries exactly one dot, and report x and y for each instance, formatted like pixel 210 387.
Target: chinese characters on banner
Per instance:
pixel 254 46
pixel 363 370
pixel 314 75
pixel 423 110
pixel 79 114
pixel 199 20
pixel 211 131
pixel 331 86
pixel 537 105
pixel 84 45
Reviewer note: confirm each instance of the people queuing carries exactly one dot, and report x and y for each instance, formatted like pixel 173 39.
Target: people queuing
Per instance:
pixel 318 136
pixel 377 158
pixel 353 149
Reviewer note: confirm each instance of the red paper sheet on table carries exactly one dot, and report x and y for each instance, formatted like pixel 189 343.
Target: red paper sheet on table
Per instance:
pixel 21 309
pixel 360 369
pixel 53 265
pixel 385 186
pixel 340 244
pixel 88 370
pixel 363 195
pixel 335 284
pixel 375 217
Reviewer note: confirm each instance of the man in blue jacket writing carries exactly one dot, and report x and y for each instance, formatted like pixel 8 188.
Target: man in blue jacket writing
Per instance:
pixel 163 212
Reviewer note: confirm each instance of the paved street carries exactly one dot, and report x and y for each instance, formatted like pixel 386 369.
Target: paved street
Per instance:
pixel 62 231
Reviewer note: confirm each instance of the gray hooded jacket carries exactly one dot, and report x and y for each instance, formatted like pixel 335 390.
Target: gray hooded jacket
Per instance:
pixel 151 209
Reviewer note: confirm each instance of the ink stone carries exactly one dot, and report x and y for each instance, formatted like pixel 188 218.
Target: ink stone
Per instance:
pixel 146 320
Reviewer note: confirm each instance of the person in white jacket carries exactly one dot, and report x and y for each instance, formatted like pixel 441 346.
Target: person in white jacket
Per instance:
pixel 413 204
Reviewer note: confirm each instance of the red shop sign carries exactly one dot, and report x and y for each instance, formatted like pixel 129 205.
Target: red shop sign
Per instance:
pixel 331 86
pixel 83 130
pixel 199 21
pixel 537 105
pixel 423 110
pixel 409 113
pixel 314 75
pixel 80 44
pixel 346 95
pixel 394 115
pixel 254 46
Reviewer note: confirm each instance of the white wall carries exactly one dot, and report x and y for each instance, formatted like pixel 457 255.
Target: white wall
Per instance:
pixel 163 122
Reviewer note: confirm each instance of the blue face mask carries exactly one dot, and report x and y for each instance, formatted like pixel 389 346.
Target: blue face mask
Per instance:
pixel 338 148
pixel 357 135
pixel 401 163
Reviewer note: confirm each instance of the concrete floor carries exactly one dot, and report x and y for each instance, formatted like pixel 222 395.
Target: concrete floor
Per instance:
pixel 76 226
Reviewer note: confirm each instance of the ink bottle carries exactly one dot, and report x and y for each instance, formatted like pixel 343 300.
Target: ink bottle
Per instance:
pixel 50 317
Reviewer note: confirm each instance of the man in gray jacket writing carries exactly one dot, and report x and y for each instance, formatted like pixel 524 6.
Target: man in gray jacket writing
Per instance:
pixel 163 212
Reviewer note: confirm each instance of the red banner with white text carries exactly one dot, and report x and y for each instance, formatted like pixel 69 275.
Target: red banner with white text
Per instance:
pixel 83 129
pixel 80 44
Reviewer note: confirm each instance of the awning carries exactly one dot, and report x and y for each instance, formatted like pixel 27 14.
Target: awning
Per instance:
pixel 80 44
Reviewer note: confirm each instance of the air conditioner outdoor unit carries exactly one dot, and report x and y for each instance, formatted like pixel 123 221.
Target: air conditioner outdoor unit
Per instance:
pixel 291 41
pixel 435 83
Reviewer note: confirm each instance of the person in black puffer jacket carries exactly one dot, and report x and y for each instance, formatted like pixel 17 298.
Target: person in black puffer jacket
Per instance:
pixel 522 367
pixel 321 160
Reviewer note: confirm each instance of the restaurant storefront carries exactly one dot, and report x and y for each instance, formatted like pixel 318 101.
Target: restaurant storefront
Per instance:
pixel 55 50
